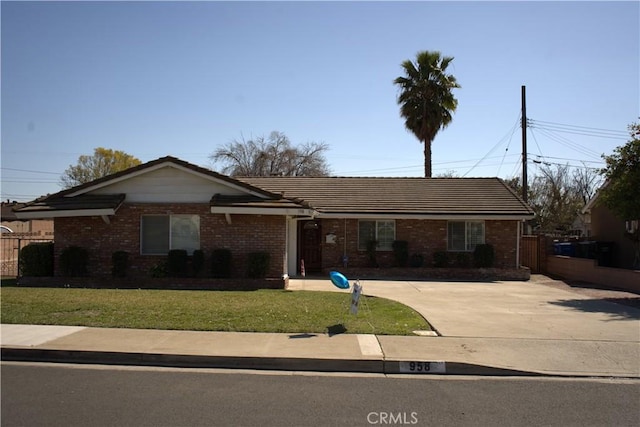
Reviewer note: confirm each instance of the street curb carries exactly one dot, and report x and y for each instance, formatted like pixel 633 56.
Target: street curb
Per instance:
pixel 240 362
pixel 191 361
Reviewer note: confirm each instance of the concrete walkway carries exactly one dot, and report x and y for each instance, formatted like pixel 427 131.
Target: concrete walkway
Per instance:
pixel 501 328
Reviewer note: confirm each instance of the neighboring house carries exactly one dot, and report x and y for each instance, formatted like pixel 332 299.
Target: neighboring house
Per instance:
pixel 11 224
pixel 169 203
pixel 605 226
pixel 17 233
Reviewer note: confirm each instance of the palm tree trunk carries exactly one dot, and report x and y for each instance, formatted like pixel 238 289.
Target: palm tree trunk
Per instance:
pixel 427 159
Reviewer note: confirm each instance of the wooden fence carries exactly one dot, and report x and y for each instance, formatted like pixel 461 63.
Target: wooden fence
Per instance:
pixel 533 252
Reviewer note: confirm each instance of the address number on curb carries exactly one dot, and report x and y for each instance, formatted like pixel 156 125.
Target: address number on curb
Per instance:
pixel 423 367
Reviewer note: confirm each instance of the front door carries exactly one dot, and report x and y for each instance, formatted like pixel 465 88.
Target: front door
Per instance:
pixel 310 246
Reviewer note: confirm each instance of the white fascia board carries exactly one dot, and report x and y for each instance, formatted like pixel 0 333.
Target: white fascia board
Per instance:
pixel 443 217
pixel 161 166
pixel 261 211
pixel 65 214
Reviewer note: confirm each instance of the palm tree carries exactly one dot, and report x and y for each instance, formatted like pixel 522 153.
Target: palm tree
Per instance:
pixel 425 98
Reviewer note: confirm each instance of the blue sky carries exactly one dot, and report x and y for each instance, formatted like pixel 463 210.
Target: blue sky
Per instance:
pixel 177 78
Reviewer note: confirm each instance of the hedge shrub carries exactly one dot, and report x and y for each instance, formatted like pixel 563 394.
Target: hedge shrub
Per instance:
pixel 400 252
pixel 440 259
pixel 177 263
pixel 416 261
pixel 36 259
pixel 221 263
pixel 483 256
pixel 119 263
pixel 258 264
pixel 197 261
pixel 74 261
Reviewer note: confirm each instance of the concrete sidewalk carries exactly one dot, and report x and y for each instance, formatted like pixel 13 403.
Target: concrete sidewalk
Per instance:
pixel 319 352
pixel 495 328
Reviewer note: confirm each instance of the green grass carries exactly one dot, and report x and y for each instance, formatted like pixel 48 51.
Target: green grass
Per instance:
pixel 247 311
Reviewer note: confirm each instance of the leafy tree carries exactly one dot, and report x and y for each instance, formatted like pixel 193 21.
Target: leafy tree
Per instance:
pixel 425 99
pixel 272 156
pixel 621 192
pixel 103 162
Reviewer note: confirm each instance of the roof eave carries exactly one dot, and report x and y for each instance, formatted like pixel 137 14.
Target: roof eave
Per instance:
pixel 65 213
pixel 252 210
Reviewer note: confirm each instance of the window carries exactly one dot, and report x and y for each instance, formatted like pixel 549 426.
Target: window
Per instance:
pixel 464 235
pixel 161 233
pixel 384 232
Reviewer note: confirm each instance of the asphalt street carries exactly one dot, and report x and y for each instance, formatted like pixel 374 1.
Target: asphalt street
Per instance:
pixel 81 395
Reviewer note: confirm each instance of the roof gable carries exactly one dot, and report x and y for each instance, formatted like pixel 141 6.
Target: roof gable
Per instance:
pixel 160 174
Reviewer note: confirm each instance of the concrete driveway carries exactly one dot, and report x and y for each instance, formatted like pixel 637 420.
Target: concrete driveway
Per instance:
pixel 525 310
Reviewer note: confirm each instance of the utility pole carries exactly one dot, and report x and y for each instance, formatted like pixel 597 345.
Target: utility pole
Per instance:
pixel 524 144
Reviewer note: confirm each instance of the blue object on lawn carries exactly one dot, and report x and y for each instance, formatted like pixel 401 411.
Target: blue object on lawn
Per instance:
pixel 339 280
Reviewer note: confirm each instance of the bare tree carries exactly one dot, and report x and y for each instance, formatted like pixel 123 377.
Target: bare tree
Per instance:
pixel 586 180
pixel 272 156
pixel 555 199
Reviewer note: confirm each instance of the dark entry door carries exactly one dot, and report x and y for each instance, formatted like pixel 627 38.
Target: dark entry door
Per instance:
pixel 310 246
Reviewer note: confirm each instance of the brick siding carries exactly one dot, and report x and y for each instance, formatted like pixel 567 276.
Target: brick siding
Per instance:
pixel 252 233
pixel 245 234
pixel 424 236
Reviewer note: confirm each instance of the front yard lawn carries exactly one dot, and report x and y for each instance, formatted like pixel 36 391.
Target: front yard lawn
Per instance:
pixel 243 311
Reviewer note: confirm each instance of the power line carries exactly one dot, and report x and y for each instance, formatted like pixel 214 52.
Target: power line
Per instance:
pixel 561 125
pixel 578 130
pixel 570 144
pixel 509 134
pixel 30 171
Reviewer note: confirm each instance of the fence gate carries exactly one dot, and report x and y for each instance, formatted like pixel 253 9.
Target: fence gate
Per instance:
pixel 532 252
pixel 10 249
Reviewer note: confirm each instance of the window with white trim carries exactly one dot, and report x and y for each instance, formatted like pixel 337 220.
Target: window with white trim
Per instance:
pixel 384 232
pixel 463 236
pixel 161 233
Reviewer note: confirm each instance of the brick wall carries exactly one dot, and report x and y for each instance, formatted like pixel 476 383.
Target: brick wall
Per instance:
pixel 424 236
pixel 245 234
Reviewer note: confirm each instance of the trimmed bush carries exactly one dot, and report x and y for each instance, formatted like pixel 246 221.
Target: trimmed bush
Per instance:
pixel 372 253
pixel 483 256
pixel 258 264
pixel 159 270
pixel 440 259
pixel 119 263
pixel 416 261
pixel 36 259
pixel 197 261
pixel 177 263
pixel 74 261
pixel 400 252
pixel 221 263
pixel 463 259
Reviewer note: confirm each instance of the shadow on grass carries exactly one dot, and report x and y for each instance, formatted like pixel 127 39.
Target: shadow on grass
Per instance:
pixel 616 308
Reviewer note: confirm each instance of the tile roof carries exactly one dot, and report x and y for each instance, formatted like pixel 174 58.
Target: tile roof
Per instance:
pixel 329 195
pixel 473 196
